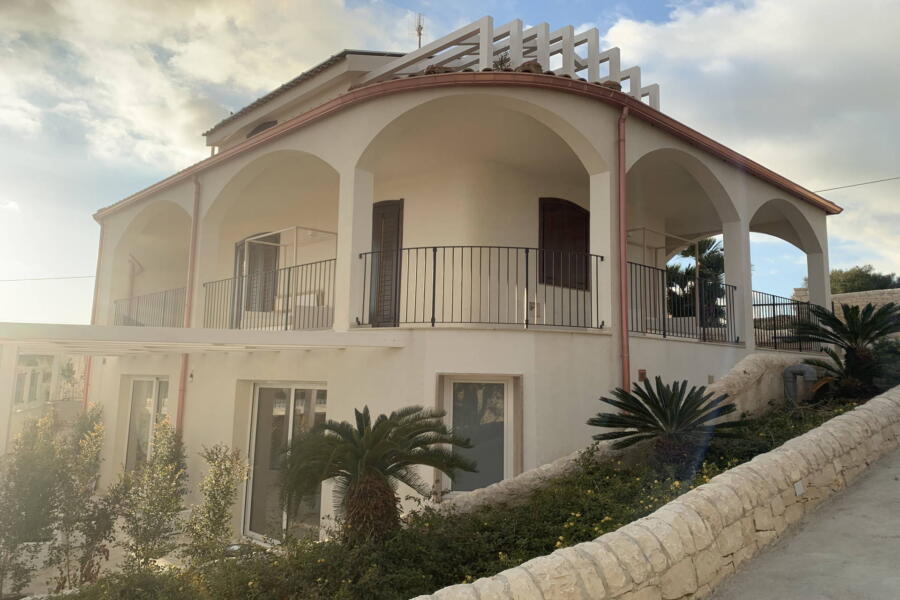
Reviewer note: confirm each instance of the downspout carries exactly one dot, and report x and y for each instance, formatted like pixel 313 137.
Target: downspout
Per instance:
pixel 188 303
pixel 90 359
pixel 623 263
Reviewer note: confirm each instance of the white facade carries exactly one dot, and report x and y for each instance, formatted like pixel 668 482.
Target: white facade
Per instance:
pixel 470 289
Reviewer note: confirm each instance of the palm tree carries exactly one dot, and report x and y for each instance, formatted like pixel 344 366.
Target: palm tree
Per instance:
pixel 681 283
pixel 367 461
pixel 677 420
pixel 855 333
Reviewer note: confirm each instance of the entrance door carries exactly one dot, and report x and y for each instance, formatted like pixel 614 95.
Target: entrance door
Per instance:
pixel 149 406
pixel 387 242
pixel 281 412
pixel 255 275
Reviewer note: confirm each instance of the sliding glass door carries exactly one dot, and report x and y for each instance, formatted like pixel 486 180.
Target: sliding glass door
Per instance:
pixel 149 406
pixel 280 412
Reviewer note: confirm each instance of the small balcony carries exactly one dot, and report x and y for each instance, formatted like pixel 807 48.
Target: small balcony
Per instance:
pixel 290 298
pixel 485 285
pixel 160 309
pixel 659 306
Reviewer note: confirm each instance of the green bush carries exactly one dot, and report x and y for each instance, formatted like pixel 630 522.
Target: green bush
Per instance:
pixel 138 584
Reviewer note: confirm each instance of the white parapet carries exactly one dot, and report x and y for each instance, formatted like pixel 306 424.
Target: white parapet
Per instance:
pixel 479 44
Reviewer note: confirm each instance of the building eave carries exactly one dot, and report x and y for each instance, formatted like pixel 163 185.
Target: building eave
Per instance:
pixel 593 91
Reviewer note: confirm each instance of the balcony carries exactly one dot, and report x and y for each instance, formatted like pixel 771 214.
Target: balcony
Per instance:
pixel 776 323
pixel 659 306
pixel 160 309
pixel 485 285
pixel 290 298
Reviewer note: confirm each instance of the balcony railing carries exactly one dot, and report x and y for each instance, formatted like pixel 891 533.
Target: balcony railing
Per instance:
pixel 662 307
pixel 161 309
pixel 776 322
pixel 298 297
pixel 492 285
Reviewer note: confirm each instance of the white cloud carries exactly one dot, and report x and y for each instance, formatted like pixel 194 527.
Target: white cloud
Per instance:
pixel 804 87
pixel 144 79
pixel 10 205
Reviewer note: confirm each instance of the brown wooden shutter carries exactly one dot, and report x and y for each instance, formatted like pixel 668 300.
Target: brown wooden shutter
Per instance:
pixel 387 242
pixel 564 244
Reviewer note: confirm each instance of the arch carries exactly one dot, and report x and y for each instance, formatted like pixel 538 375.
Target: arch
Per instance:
pixel 590 158
pixel 151 254
pixel 279 190
pixel 783 219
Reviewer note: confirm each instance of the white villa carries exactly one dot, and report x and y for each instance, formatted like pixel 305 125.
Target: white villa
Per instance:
pixel 425 228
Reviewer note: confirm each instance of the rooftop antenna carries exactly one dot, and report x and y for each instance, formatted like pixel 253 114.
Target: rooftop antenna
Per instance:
pixel 420 27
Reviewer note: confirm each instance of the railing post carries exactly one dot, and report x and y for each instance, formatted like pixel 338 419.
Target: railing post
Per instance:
pixel 665 302
pixel 291 300
pixel 527 274
pixel 433 282
pixel 774 325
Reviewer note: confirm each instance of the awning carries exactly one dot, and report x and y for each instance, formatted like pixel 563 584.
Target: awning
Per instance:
pixel 105 340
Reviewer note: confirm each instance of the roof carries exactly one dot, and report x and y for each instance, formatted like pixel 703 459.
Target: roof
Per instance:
pixel 306 75
pixel 562 84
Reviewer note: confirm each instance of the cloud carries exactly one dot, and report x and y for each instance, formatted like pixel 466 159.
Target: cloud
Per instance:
pixel 140 80
pixel 804 87
pixel 10 205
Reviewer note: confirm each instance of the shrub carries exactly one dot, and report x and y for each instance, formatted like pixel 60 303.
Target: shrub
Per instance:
pixel 678 421
pixel 209 526
pixel 28 499
pixel 138 584
pixel 367 460
pixel 153 499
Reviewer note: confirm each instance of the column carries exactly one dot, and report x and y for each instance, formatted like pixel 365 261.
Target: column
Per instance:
pixel 736 241
pixel 604 292
pixel 819 278
pixel 354 236
pixel 9 354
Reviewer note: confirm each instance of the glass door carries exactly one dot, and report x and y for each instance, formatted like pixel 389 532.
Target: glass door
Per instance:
pixel 149 406
pixel 280 412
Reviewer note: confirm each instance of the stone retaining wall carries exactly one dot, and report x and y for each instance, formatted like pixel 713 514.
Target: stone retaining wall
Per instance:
pixel 876 297
pixel 687 547
pixel 751 384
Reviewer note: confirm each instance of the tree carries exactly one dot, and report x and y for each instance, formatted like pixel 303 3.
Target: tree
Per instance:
pixel 855 334
pixel 28 498
pixel 367 461
pixel 678 421
pixel 153 499
pixel 84 523
pixel 681 281
pixel 859 279
pixel 209 526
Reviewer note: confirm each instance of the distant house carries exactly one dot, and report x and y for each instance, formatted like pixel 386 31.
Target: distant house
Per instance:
pixel 392 229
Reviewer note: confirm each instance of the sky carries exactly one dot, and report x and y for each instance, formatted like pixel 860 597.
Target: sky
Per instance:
pixel 99 99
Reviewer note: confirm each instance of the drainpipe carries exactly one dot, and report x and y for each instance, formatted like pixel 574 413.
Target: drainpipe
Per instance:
pixel 90 359
pixel 623 263
pixel 188 303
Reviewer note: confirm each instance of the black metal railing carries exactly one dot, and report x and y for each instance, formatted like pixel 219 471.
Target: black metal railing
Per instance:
pixel 660 306
pixel 160 309
pixel 298 297
pixel 776 322
pixel 496 285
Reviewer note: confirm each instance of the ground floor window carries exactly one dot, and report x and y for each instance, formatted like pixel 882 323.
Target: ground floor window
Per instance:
pixel 149 406
pixel 280 411
pixel 481 409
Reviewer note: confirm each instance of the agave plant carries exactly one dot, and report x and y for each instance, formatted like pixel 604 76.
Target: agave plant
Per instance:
pixel 856 333
pixel 678 421
pixel 367 460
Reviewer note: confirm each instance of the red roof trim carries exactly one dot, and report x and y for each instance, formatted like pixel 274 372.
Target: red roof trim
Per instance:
pixel 491 78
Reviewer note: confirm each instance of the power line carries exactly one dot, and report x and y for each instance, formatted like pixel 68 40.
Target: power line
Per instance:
pixel 48 278
pixel 843 187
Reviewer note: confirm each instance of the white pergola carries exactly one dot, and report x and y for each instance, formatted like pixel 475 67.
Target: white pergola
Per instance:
pixel 478 44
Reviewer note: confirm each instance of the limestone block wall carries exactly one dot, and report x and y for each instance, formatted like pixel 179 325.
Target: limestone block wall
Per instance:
pixel 689 546
pixel 876 297
pixel 751 384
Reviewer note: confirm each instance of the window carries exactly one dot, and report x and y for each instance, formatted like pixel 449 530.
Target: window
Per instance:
pixel 261 127
pixel 34 378
pixel 149 406
pixel 279 413
pixel 564 244
pixel 480 409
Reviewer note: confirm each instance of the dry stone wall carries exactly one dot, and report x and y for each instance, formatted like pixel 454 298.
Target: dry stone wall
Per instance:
pixel 689 546
pixel 876 297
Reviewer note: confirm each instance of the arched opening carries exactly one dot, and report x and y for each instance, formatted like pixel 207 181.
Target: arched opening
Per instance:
pixel 270 238
pixel 675 213
pixel 149 267
pixel 786 252
pixel 460 241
